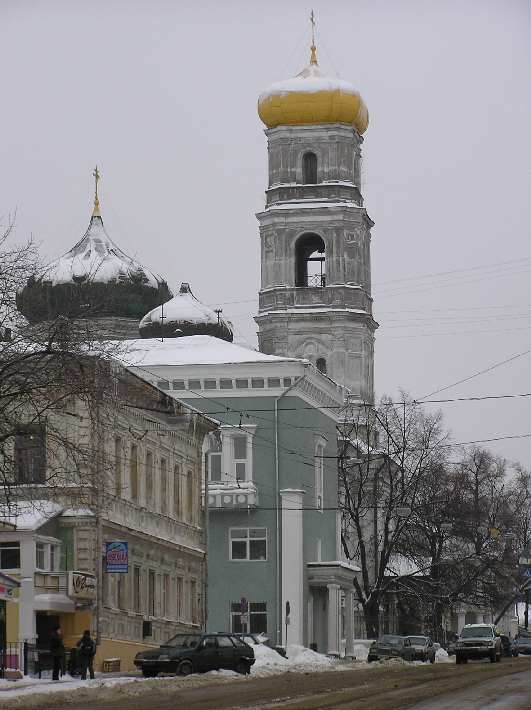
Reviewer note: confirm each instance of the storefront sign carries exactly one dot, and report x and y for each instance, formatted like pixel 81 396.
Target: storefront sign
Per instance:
pixel 7 588
pixel 81 585
pixel 116 556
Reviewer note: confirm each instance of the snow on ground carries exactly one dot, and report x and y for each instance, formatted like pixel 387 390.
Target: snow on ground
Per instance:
pixel 441 656
pixel 361 651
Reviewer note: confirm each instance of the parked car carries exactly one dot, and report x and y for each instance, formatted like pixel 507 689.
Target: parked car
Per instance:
pixel 390 646
pixel 253 639
pixel 478 641
pixel 522 644
pixel 423 647
pixel 196 653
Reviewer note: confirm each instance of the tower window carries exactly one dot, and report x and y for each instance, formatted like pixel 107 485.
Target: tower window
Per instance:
pixel 321 365
pixel 309 168
pixel 310 261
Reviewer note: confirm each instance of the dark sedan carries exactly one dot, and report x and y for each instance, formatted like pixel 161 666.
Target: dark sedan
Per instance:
pixel 522 645
pixel 196 653
pixel 390 646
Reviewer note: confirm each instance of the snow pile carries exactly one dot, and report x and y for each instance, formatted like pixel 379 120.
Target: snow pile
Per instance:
pixel 361 652
pixel 267 659
pixel 302 656
pixel 441 656
pixel 182 308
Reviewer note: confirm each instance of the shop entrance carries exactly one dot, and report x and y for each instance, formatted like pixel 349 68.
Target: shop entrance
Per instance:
pixel 45 625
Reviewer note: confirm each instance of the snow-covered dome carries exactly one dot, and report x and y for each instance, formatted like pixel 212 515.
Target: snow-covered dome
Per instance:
pixel 184 315
pixel 95 279
pixel 312 98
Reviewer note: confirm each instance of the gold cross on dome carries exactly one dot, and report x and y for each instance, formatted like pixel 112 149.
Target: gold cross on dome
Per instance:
pixel 97 177
pixel 313 57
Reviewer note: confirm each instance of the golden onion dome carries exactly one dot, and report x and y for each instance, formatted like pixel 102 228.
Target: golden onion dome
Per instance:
pixel 310 98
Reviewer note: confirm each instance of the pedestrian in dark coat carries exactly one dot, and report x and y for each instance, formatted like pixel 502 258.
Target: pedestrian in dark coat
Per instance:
pixel 57 649
pixel 87 651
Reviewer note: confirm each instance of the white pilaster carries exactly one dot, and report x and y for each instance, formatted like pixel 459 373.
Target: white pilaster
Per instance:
pixel 26 613
pixel 334 619
pixel 349 623
pixel 309 625
pixel 460 621
pixel 292 564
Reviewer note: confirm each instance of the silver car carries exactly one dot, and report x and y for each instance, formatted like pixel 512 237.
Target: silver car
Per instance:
pixel 423 647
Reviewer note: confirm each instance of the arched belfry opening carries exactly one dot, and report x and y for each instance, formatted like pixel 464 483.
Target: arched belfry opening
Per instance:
pixel 309 168
pixel 310 266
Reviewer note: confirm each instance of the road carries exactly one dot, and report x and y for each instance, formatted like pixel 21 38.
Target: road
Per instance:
pixel 476 686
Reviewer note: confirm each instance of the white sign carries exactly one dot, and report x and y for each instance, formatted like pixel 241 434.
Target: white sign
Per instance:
pixel 81 585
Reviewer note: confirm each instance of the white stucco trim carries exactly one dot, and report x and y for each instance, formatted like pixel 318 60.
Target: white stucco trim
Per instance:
pixel 292 563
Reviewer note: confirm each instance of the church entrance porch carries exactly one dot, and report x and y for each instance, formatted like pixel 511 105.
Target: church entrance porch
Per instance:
pixel 331 607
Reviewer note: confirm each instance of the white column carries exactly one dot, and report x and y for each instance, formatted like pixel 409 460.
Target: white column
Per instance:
pixel 460 621
pixel 292 564
pixel 309 625
pixel 26 613
pixel 349 623
pixel 334 620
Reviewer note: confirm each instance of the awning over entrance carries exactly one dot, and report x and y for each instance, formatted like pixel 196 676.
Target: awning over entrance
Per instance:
pixel 53 602
pixel 321 574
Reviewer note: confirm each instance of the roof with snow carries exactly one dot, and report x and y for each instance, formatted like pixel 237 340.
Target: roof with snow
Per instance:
pixel 184 315
pixel 192 350
pixel 30 515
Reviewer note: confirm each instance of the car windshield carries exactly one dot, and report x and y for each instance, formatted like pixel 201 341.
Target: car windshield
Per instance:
pixel 482 632
pixel 391 640
pixel 524 641
pixel 418 640
pixel 182 641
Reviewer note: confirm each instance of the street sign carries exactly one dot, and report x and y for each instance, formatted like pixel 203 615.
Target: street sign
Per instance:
pixel 527 573
pixel 117 556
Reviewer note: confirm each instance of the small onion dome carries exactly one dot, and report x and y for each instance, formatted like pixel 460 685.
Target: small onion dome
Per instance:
pixel 94 279
pixel 312 98
pixel 184 315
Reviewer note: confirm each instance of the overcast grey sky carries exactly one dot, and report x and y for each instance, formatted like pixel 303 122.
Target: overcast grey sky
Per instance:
pixel 162 95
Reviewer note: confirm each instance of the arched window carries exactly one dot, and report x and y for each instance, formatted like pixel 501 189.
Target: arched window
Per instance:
pixel 309 168
pixel 310 261
pixel 321 365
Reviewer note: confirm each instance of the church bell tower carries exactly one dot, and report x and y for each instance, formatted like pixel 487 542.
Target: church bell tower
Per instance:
pixel 315 297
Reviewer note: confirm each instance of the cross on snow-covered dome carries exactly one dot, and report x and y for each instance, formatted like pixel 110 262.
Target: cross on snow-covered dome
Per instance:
pixel 94 279
pixel 184 315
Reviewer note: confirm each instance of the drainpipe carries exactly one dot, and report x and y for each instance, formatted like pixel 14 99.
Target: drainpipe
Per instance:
pixel 277 508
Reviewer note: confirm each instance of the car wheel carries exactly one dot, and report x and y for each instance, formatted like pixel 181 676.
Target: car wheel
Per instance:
pixel 149 672
pixel 493 656
pixel 185 668
pixel 243 668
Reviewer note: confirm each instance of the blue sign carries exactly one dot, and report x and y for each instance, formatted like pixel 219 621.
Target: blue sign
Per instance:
pixel 116 556
pixel 526 572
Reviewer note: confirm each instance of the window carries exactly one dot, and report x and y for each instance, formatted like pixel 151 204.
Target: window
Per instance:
pixel 193 601
pixel 242 384
pixel 194 384
pixel 133 473
pixel 248 543
pixel 9 555
pixel 309 168
pixel 151 593
pixel 273 381
pixel 40 556
pixel 310 261
pixel 321 365
pixel 210 384
pixel 54 558
pixel 287 382
pixel 257 382
pixel 225 384
pixel 30 454
pixel 177 491
pixel 254 621
pixel 163 486
pixel 118 467
pixel 214 466
pixel 137 608
pixel 165 595
pixel 319 482
pixel 178 384
pixel 163 384
pixel 149 479
pixel 105 585
pixel 179 600
pixel 240 456
pixel 190 496
pixel 122 591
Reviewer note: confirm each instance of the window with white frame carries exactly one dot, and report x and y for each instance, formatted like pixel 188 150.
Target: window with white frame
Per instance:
pixel 239 444
pixel 248 544
pixel 229 455
pixel 319 474
pixel 9 555
pixel 254 621
pixel 40 555
pixel 54 557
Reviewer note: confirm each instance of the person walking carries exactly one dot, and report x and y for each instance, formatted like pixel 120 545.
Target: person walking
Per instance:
pixel 57 649
pixel 87 651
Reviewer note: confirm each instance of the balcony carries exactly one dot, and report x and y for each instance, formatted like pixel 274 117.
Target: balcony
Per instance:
pixel 51 592
pixel 232 496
